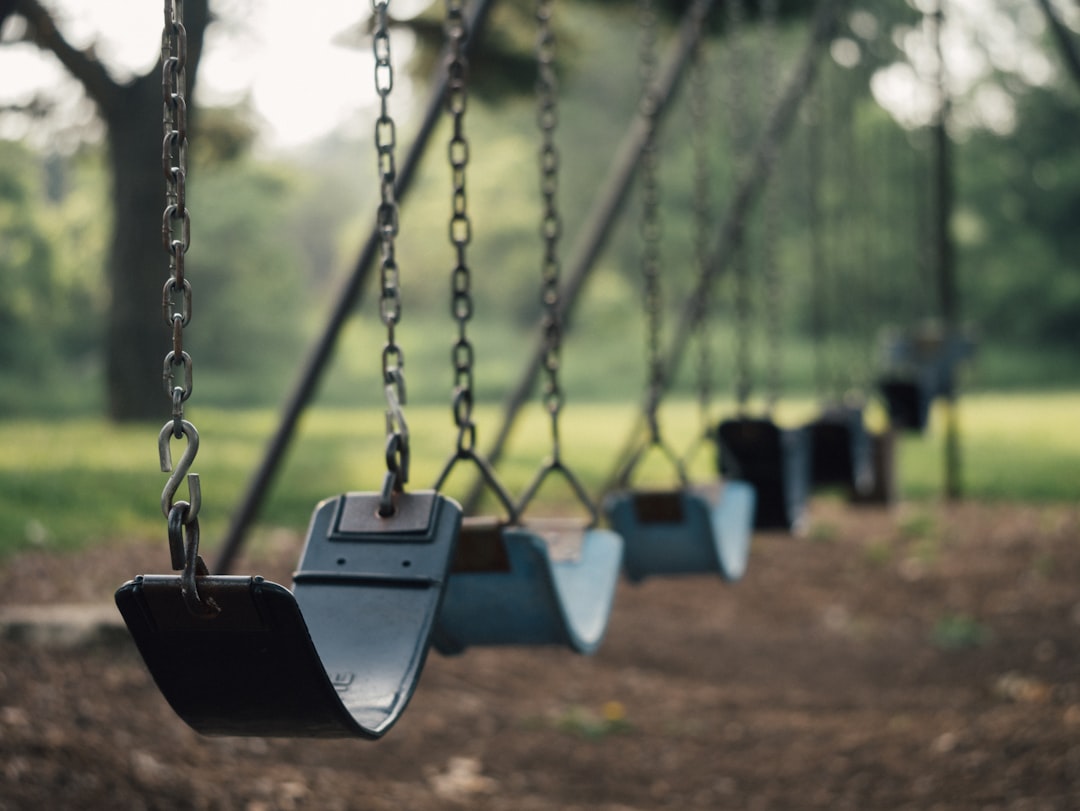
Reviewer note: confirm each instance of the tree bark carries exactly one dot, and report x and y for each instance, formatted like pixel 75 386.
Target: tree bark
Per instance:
pixel 136 337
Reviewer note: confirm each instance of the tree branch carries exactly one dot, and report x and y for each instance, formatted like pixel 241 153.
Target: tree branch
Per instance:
pixel 1066 44
pixel 81 64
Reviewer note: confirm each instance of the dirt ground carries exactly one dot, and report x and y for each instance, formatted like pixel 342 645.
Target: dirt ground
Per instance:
pixel 919 658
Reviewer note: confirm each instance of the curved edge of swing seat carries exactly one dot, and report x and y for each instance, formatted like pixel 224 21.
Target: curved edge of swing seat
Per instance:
pixel 538 598
pixel 251 670
pixel 339 656
pixel 684 531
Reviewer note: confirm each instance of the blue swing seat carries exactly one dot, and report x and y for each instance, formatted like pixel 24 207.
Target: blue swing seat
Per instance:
pixel 684 531
pixel 775 461
pixel 548 582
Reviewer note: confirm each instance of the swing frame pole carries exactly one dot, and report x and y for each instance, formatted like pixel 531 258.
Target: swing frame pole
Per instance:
pixel 748 191
pixel 348 297
pixel 945 257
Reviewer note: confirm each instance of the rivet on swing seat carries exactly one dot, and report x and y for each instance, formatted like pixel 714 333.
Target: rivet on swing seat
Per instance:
pixel 547 582
pixel 840 451
pixel 338 656
pixel 684 531
pixel 775 461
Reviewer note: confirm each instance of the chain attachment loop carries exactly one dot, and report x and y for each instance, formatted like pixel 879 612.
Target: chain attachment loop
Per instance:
pixel 184 543
pixel 181 469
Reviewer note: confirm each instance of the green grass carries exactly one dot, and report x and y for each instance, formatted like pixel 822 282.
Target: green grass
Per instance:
pixel 66 484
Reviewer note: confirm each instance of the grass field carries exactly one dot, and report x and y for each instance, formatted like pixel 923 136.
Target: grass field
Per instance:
pixel 69 483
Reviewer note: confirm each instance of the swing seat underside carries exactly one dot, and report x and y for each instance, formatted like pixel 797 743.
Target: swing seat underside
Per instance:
pixel 339 656
pixel 775 462
pixel 546 583
pixel 685 531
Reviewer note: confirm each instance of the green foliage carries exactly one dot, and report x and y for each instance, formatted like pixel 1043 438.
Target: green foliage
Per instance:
pixel 1020 243
pixel 27 263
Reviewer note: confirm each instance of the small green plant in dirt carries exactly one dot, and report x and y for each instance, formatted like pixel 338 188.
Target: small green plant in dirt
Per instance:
pixel 878 552
pixel 959 632
pixel 822 532
pixel 917 526
pixel 588 723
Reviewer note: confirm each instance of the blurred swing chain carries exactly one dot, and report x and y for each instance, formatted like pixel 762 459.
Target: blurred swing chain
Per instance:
pixel 461 303
pixel 650 226
pixel 550 224
pixel 737 109
pixel 182 516
pixel 393 359
pixel 770 265
pixel 699 135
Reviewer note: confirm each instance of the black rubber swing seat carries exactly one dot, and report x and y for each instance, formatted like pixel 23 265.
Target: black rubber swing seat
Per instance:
pixel 907 402
pixel 338 656
pixel 841 453
pixel 546 582
pixel 686 530
pixel 775 461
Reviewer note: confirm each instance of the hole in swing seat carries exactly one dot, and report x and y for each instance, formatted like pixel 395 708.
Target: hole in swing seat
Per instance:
pixel 480 546
pixel 341 561
pixel 405 564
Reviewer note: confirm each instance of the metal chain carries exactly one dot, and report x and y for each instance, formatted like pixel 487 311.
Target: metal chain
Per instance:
pixel 547 117
pixel 736 15
pixel 176 220
pixel 699 114
pixel 770 265
pixel 393 359
pixel 649 225
pixel 820 286
pixel 182 517
pixel 461 302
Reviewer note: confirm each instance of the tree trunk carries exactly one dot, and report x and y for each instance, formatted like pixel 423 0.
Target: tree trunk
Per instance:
pixel 137 337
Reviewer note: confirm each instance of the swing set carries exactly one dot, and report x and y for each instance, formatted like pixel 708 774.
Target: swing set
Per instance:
pixel 386 575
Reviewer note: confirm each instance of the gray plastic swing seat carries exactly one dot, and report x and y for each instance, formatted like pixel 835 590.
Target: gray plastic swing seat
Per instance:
pixel 546 583
pixel 339 656
pixel 685 531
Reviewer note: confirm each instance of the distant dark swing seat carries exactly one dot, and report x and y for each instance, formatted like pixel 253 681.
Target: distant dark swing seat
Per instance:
pixel 841 450
pixel 775 461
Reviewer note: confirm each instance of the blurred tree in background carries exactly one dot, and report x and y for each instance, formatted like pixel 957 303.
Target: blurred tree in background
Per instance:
pixel 83 266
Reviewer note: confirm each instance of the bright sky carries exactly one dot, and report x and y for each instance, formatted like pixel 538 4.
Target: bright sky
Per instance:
pixel 304 84
pixel 299 80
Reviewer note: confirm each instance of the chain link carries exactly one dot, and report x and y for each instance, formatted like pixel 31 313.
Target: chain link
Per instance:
pixel 182 516
pixel 650 226
pixel 770 265
pixel 547 117
pixel 175 220
pixel 393 359
pixel 461 302
pixel 699 134
pixel 737 115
